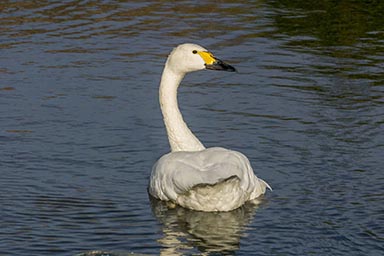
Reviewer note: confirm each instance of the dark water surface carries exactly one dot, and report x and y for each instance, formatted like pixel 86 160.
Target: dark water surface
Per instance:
pixel 80 125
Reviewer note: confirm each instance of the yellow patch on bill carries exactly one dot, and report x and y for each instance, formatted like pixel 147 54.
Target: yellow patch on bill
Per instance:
pixel 207 57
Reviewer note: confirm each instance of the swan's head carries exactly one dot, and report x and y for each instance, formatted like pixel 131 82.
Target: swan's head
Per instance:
pixel 192 57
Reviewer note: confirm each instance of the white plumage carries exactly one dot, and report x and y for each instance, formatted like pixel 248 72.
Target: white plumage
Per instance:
pixel 213 179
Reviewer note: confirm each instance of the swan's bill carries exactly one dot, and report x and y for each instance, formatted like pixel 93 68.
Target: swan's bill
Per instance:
pixel 220 65
pixel 212 63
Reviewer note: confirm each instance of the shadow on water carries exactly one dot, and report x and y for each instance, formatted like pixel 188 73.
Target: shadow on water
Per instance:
pixel 209 232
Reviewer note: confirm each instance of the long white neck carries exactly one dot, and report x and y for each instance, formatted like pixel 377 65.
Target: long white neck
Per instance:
pixel 180 136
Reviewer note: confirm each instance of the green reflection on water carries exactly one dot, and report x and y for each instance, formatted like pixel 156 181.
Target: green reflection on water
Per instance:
pixel 348 33
pixel 329 22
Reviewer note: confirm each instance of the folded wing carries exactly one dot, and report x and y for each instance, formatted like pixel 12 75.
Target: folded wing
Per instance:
pixel 176 173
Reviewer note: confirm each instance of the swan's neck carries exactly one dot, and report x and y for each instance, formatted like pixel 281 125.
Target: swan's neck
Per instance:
pixel 180 136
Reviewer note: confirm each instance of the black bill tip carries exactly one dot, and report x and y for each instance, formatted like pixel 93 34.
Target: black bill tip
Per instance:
pixel 220 65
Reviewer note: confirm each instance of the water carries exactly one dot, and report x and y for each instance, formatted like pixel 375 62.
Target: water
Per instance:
pixel 80 125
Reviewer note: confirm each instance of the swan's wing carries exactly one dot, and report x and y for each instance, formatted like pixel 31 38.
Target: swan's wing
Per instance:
pixel 178 172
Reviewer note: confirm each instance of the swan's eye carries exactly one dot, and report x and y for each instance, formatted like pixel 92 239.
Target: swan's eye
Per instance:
pixel 194 51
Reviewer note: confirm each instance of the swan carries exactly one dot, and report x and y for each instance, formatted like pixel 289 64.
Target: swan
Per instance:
pixel 192 176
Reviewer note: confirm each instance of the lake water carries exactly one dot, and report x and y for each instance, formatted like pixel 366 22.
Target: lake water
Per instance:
pixel 80 125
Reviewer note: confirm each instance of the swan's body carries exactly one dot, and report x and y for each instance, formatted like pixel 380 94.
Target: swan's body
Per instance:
pixel 213 179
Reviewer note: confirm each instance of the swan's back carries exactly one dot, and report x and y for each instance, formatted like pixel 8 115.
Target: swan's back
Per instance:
pixel 214 179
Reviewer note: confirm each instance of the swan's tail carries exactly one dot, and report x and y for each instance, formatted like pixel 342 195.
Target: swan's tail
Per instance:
pixel 265 184
pixel 259 188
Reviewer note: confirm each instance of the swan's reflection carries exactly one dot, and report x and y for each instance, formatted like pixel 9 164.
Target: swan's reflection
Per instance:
pixel 185 229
